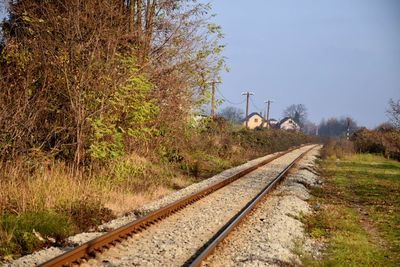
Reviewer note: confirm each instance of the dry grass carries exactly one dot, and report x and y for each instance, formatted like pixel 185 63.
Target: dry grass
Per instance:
pixel 337 148
pixel 41 189
pixel 85 201
pixel 120 189
pixel 121 202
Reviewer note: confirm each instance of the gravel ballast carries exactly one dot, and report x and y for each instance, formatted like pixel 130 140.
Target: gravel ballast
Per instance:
pixel 152 206
pixel 269 236
pixel 174 240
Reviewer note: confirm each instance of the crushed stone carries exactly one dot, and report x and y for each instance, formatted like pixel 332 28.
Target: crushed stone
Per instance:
pixel 272 233
pixel 38 257
pixel 175 239
pixel 157 204
pixel 81 238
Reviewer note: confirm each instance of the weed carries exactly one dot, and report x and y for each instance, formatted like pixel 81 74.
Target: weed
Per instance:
pixel 385 141
pixel 86 214
pixel 204 165
pixel 26 232
pixel 339 148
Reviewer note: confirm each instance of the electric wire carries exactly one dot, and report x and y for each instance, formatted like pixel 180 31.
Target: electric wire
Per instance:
pixel 227 100
pixel 254 105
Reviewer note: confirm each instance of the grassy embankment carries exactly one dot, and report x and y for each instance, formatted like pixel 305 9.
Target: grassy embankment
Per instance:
pixel 42 201
pixel 359 218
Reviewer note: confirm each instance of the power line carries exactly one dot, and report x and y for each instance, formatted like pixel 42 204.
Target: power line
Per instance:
pixel 227 100
pixel 254 105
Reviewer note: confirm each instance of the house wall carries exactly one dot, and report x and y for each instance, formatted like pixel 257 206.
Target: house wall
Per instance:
pixel 254 122
pixel 290 125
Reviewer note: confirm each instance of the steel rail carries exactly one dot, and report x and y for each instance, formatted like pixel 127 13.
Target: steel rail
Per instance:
pixel 210 246
pixel 97 245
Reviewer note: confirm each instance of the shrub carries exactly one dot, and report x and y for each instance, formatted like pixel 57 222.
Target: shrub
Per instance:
pixel 383 141
pixel 26 232
pixel 337 148
pixel 204 165
pixel 86 213
pixel 367 141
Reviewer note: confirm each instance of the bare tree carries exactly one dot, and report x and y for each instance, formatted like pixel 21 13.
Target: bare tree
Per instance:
pixel 334 127
pixel 310 128
pixel 232 114
pixel 298 112
pixel 393 112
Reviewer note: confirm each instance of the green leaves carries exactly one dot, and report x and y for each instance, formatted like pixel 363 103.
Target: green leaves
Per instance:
pixel 128 116
pixel 107 141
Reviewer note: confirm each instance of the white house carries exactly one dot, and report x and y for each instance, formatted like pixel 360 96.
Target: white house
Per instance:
pixel 254 120
pixel 288 123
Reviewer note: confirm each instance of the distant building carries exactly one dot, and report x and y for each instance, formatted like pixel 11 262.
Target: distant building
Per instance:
pixel 274 124
pixel 254 120
pixel 288 123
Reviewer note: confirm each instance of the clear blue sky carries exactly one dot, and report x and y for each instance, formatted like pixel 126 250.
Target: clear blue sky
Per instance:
pixel 338 57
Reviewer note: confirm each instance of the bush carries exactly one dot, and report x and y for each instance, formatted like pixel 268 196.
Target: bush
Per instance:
pixel 24 233
pixel 367 141
pixel 383 141
pixel 86 214
pixel 337 149
pixel 204 165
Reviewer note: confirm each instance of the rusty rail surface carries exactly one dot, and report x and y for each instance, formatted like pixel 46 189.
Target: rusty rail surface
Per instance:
pixel 97 245
pixel 210 246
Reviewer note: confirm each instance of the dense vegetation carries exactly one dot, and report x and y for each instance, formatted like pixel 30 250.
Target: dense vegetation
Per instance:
pixel 87 84
pixel 384 140
pixel 337 127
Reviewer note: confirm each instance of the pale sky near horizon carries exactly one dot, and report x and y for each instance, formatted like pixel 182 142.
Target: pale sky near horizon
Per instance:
pixel 338 58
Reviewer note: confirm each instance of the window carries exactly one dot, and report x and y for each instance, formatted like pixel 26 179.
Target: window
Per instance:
pixel 255 120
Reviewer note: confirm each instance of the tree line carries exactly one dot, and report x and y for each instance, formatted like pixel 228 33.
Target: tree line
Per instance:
pixel 331 127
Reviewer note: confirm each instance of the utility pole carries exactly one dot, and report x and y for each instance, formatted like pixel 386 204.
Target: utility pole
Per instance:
pixel 213 99
pixel 267 111
pixel 247 94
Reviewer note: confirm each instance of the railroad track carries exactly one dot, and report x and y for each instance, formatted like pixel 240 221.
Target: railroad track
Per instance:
pixel 140 227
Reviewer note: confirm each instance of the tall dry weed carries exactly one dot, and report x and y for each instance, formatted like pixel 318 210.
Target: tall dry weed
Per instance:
pixel 339 148
pixel 43 188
